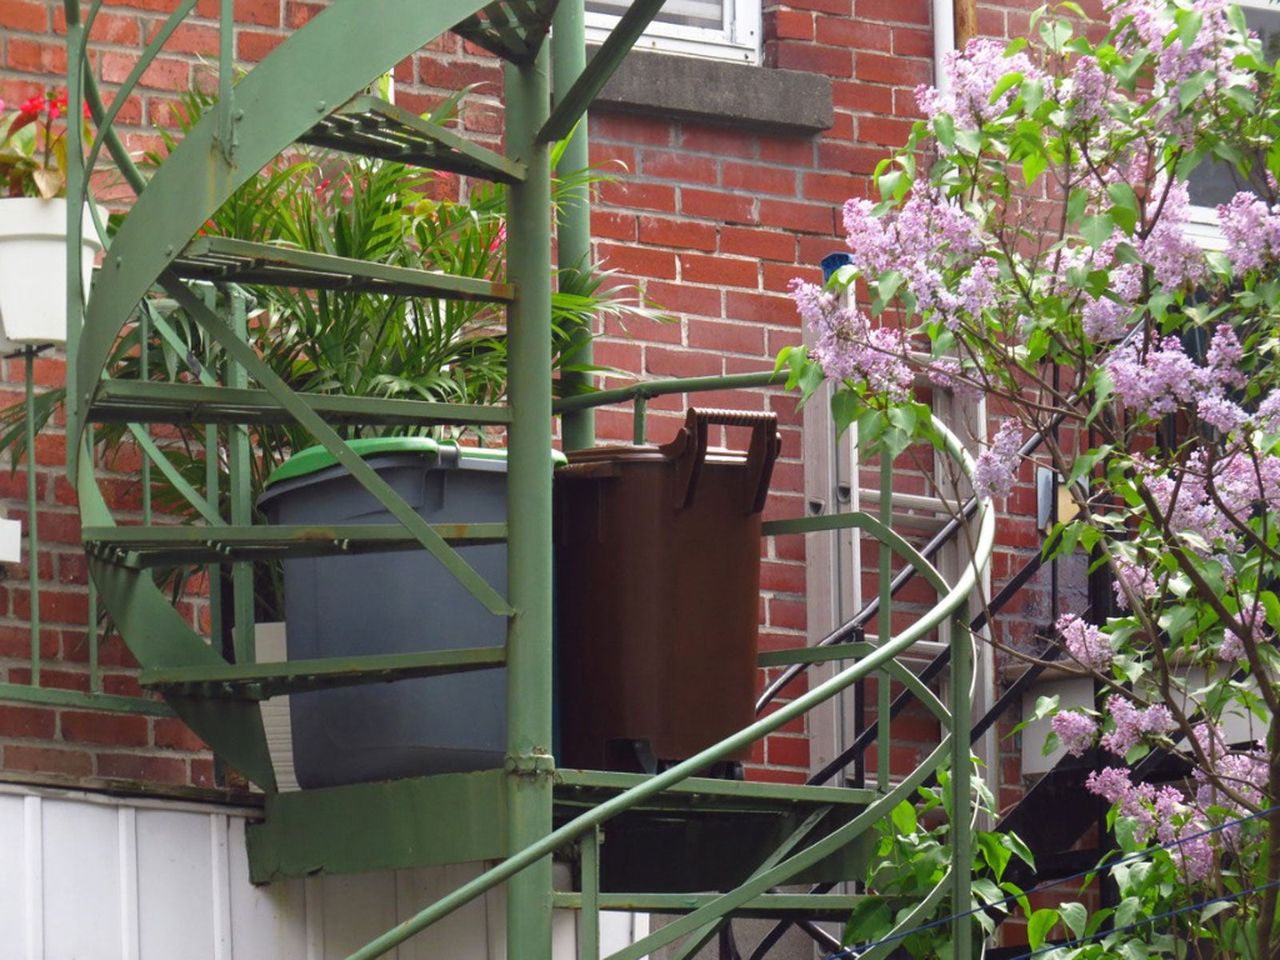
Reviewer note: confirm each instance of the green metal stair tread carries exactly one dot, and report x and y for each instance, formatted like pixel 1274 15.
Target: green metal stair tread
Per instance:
pixel 710 792
pixel 150 546
pixel 230 260
pixel 153 401
pixel 263 681
pixel 769 905
pixel 368 826
pixel 371 127
pixel 510 29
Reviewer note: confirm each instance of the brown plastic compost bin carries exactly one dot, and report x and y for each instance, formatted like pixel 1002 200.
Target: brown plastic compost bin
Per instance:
pixel 658 576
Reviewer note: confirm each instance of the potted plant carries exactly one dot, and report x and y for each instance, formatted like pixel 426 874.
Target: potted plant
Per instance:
pixel 33 223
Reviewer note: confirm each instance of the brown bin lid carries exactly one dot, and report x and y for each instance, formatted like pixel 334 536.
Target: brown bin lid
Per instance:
pixel 646 453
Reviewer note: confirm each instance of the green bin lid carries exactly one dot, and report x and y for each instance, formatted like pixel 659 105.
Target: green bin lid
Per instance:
pixel 317 458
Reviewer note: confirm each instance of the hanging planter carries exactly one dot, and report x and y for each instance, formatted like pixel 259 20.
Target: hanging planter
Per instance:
pixel 33 269
pixel 33 223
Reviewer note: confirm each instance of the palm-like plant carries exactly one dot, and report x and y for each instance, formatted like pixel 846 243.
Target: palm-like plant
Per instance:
pixel 338 341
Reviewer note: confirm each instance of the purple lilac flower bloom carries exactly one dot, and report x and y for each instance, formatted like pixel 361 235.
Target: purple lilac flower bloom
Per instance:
pixel 1132 724
pixel 1075 730
pixel 1088 89
pixel 1252 230
pixel 1085 642
pixel 996 468
pixel 1137 578
pixel 973 74
pixel 1175 258
pixel 921 239
pixel 847 347
pixel 946 372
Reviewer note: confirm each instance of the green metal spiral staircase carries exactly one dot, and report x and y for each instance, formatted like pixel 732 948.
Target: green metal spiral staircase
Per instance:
pixel 677 843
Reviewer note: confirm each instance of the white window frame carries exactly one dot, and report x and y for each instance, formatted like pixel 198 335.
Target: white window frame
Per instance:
pixel 1202 222
pixel 737 41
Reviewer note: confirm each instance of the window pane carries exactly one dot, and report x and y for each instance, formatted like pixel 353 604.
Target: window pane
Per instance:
pixel 1216 182
pixel 708 14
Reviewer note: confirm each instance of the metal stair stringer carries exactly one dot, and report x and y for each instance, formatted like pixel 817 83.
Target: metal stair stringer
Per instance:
pixel 278 103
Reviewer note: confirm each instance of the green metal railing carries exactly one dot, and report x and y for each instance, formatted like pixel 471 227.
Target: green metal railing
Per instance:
pixel 952 606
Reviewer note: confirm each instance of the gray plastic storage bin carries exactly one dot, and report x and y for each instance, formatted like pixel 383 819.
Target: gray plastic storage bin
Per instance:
pixel 398 602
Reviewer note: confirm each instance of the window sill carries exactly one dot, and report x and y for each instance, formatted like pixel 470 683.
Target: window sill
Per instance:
pixel 747 98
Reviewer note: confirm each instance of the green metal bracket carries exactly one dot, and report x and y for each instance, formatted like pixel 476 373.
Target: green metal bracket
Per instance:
pixel 153 401
pixel 252 681
pixel 616 46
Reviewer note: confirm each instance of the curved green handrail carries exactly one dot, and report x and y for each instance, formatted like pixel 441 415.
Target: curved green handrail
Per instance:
pixel 946 607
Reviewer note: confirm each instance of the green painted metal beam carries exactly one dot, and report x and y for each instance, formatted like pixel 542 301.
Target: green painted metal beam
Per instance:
pixel 836 651
pixel 573 214
pixel 225 259
pixel 153 401
pixel 529 548
pixel 392 825
pixel 372 127
pixel 110 703
pixel 768 905
pixel 163 545
pixel 262 681
pixel 649 389
pixel 709 792
pixel 616 46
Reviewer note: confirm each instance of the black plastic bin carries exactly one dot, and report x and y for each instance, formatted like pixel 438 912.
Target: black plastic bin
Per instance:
pixel 658 581
pixel 398 602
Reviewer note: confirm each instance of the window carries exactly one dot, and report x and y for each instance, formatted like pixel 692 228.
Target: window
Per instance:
pixel 1216 182
pixel 717 29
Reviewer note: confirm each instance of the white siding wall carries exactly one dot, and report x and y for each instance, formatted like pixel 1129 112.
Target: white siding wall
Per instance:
pixel 89 877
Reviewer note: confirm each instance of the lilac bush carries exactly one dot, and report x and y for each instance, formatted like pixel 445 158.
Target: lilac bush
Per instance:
pixel 1032 243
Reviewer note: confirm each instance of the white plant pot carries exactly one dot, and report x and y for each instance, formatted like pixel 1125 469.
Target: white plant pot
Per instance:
pixel 33 269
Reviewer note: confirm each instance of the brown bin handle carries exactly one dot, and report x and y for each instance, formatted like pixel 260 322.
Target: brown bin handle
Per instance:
pixel 689 450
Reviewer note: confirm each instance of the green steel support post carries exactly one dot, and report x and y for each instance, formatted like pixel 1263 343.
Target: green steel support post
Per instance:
pixel 33 538
pixel 886 619
pixel 529 761
pixel 226 77
pixel 238 466
pixel 961 839
pixel 589 915
pixel 144 373
pixel 573 219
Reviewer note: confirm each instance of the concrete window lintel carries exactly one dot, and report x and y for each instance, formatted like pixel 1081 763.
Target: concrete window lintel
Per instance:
pixel 756 99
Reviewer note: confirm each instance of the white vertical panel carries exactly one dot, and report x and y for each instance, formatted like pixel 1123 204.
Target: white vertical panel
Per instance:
pixel 33 857
pixel 314 920
pixel 81 880
pixel 175 888
pixel 127 839
pixel 356 909
pixel 266 922
pixel 13 878
pixel 459 936
pixel 220 882
pixel 86 877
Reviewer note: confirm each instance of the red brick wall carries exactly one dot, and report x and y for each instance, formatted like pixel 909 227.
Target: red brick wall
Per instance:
pixel 711 222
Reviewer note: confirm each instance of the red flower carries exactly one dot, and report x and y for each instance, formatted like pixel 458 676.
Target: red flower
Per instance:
pixel 57 104
pixel 32 107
